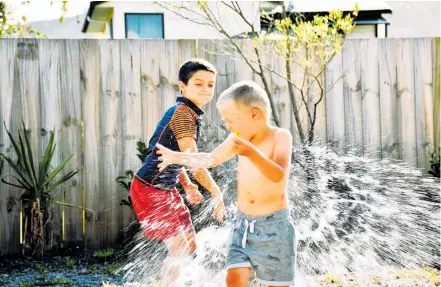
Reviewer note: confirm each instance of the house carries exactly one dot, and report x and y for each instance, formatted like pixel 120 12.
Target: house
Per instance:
pixel 414 19
pixel 409 19
pixel 146 19
pixel 368 24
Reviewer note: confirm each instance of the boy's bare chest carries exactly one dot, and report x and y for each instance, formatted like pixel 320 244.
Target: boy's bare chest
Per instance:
pixel 247 169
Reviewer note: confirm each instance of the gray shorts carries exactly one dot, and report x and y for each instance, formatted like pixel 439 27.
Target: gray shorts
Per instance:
pixel 267 245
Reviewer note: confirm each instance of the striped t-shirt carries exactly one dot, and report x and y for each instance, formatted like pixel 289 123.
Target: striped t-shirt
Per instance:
pixel 180 120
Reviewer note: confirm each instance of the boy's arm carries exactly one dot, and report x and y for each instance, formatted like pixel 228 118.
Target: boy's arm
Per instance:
pixel 224 152
pixel 201 161
pixel 184 180
pixel 276 168
pixel 192 193
pixel 204 178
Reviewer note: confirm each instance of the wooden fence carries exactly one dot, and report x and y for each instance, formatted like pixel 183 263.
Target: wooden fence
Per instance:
pixel 101 96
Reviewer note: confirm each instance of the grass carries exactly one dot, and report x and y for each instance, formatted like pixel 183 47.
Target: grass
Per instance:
pixel 41 269
pixel 112 268
pixel 94 269
pixel 104 253
pixel 70 263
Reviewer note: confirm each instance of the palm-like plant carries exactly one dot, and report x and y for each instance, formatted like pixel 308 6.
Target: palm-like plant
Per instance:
pixel 38 185
pixel 126 180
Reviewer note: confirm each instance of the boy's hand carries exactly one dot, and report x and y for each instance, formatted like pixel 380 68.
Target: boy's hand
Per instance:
pixel 166 156
pixel 243 147
pixel 192 193
pixel 219 208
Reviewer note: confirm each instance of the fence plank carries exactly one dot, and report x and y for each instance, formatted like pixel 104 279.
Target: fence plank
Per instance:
pixel 388 98
pixel 208 50
pixel 51 117
pixel 28 79
pixel 111 125
pixel 406 98
pixel 71 142
pixel 423 101
pixel 334 79
pixel 352 96
pixel 169 68
pixel 279 88
pixel 150 86
pixel 370 97
pixel 9 212
pixel 92 176
pixel 130 51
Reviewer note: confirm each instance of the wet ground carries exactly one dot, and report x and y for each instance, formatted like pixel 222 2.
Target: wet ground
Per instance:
pixel 68 268
pixel 58 270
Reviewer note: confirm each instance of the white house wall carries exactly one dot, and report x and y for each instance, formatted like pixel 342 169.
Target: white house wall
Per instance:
pixel 176 27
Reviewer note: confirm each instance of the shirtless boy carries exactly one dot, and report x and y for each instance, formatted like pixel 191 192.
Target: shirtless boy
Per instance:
pixel 264 235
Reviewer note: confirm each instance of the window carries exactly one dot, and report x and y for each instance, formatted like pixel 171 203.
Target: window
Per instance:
pixel 142 26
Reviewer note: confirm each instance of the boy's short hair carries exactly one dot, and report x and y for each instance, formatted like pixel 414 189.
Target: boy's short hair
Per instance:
pixel 189 67
pixel 249 94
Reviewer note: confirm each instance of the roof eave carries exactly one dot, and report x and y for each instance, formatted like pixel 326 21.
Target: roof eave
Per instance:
pixel 92 6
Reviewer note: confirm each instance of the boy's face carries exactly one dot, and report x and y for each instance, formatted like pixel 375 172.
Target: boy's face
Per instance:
pixel 239 118
pixel 200 87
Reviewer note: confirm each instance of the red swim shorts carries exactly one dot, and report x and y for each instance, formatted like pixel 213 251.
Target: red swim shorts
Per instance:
pixel 162 214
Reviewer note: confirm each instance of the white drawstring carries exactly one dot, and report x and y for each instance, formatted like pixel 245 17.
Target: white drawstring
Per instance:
pixel 245 234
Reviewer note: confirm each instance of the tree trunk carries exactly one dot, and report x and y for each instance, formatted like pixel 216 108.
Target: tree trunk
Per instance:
pixel 33 234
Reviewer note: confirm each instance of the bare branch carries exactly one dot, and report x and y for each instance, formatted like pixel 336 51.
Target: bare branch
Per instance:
pixel 321 90
pixel 336 81
pixel 306 106
pixel 163 5
pixel 280 75
pixel 325 65
pixel 236 8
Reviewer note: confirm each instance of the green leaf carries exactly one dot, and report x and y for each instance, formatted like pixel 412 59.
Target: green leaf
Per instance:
pixel 124 185
pixel 46 160
pixel 14 144
pixel 29 161
pixel 21 186
pixel 18 171
pixel 125 202
pixel 57 170
pixel 64 179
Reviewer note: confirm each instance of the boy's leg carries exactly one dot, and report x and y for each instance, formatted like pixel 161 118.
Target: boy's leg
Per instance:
pixel 180 249
pixel 275 260
pixel 238 277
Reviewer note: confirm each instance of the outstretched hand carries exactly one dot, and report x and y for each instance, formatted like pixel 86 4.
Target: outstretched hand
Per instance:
pixel 166 157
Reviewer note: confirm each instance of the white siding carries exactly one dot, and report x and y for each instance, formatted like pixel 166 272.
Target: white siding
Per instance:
pixel 176 27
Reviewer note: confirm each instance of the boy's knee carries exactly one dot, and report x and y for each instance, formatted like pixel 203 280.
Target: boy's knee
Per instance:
pixel 237 278
pixel 182 246
pixel 192 246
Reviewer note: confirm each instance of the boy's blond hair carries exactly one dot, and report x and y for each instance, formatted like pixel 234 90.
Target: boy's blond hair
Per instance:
pixel 249 94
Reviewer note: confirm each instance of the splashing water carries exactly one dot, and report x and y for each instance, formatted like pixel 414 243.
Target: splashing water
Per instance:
pixel 357 216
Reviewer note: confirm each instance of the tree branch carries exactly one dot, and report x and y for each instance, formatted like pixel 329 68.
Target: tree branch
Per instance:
pixel 164 4
pixel 236 8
